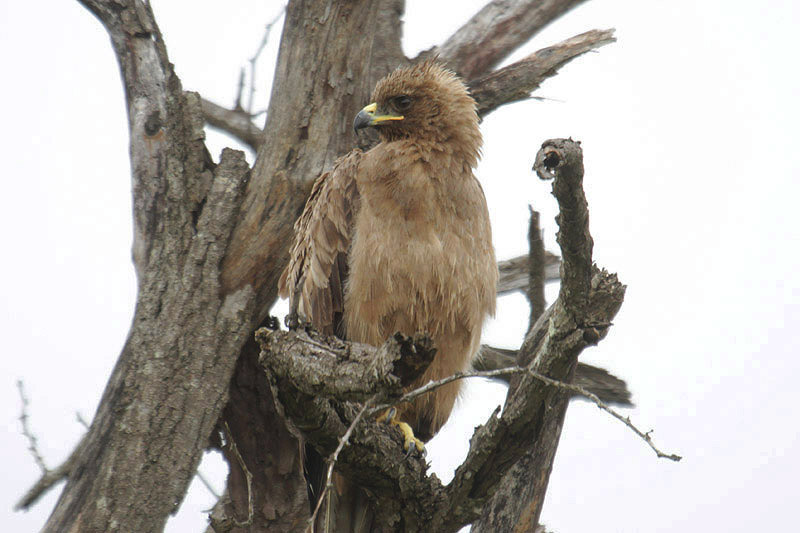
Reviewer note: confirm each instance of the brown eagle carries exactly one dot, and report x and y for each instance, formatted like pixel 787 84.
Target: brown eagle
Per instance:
pixel 397 239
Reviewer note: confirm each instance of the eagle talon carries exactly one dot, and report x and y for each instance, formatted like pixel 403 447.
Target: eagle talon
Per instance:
pixel 388 416
pixel 291 321
pixel 410 442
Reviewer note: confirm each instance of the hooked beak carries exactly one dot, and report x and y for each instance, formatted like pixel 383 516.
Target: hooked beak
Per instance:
pixel 369 117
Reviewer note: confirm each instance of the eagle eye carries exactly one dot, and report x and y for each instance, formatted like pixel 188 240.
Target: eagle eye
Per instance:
pixel 402 103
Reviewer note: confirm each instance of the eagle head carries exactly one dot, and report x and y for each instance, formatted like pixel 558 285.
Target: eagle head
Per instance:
pixel 426 103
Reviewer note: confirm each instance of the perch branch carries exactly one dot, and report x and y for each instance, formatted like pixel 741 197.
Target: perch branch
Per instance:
pixel 318 365
pixel 376 459
pixel 498 29
pixel 516 81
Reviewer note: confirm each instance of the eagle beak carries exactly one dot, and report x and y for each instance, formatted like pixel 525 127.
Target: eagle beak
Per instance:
pixel 368 117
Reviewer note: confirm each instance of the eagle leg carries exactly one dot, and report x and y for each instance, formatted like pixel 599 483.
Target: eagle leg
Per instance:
pixel 410 442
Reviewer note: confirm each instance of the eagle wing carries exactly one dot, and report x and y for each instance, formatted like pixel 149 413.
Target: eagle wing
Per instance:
pixel 315 276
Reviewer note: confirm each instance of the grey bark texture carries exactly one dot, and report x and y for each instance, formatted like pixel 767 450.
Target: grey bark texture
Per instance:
pixel 148 435
pixel 210 241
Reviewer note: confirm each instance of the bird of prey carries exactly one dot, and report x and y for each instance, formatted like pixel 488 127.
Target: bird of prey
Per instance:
pixel 397 239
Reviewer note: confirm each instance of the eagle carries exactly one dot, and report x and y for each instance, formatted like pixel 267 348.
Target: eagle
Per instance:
pixel 398 239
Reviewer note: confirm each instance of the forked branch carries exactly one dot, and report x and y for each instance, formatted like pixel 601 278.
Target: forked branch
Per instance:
pixel 498 29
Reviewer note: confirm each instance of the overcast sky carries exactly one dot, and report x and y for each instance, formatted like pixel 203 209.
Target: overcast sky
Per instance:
pixel 689 125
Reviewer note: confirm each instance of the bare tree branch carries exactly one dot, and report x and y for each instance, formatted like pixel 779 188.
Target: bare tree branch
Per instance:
pixel 516 81
pixel 536 269
pixel 234 122
pixel 344 370
pixel 588 299
pixel 49 479
pixel 496 31
pixel 254 59
pixel 33 445
pixel 514 273
pixel 609 388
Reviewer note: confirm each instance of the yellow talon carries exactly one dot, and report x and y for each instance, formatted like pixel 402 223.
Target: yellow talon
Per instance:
pixel 410 442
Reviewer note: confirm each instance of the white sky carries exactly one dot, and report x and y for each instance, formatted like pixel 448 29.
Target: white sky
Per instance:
pixel 689 126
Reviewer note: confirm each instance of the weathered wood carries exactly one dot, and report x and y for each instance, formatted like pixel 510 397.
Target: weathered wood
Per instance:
pixel 588 300
pixel 498 29
pixel 169 385
pixel 516 81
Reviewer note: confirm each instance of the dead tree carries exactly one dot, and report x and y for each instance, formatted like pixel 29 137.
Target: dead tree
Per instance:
pixel 210 242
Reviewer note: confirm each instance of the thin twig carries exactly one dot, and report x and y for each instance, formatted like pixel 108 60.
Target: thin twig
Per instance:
pixel 33 445
pixel 49 477
pixel 332 462
pixel 261 46
pixel 410 396
pixel 248 476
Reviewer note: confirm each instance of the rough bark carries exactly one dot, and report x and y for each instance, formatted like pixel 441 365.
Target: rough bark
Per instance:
pixel 134 465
